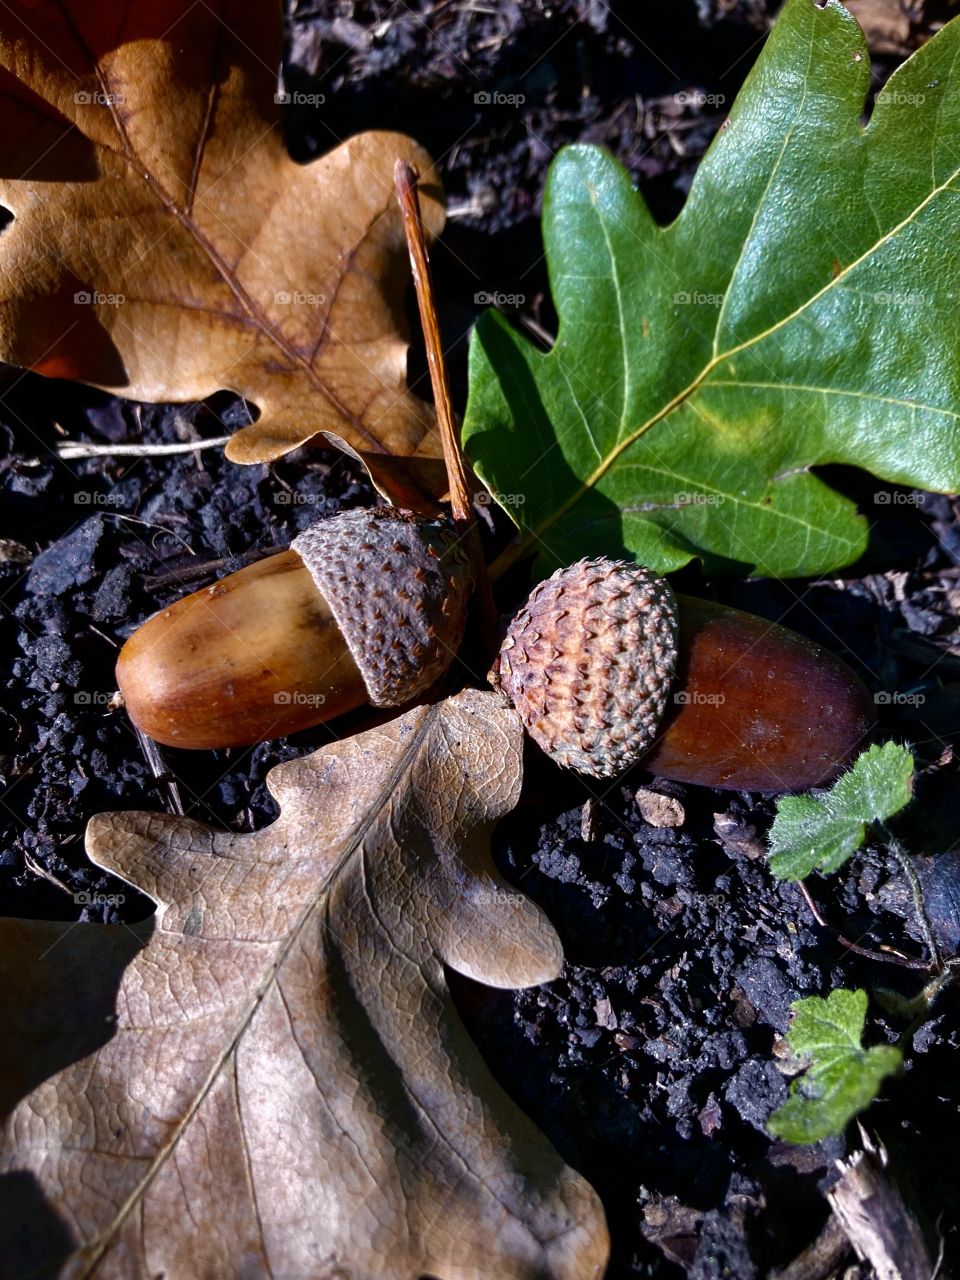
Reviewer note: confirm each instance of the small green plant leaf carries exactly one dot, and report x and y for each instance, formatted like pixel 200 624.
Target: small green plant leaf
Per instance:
pixel 842 1077
pixel 813 833
pixel 801 310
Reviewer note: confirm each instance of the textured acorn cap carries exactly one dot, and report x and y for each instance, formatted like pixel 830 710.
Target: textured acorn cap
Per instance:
pixel 398 585
pixel 588 663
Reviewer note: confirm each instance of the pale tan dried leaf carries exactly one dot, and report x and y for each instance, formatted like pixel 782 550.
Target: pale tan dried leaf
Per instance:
pixel 142 156
pixel 659 810
pixel 887 23
pixel 270 1079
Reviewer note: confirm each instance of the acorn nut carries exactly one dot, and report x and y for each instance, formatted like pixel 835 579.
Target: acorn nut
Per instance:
pixel 608 669
pixel 588 662
pixel 367 606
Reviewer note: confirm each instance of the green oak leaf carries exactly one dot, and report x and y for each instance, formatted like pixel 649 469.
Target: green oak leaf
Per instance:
pixel 842 1077
pixel 803 309
pixel 812 833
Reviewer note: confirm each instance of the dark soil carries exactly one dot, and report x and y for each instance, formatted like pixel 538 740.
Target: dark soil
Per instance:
pixel 653 1063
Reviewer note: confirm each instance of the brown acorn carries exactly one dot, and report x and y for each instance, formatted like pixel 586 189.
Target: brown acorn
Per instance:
pixel 368 606
pixel 607 669
pixel 589 661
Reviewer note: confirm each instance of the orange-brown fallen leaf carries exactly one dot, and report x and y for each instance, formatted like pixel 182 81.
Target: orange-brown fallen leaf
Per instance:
pixel 270 1078
pixel 165 246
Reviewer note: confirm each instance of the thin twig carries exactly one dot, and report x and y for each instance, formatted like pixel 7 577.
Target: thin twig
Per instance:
pixel 74 450
pixel 544 336
pixel 166 782
pixel 887 957
pixel 36 869
pixel 191 572
pixel 405 178
pixel 461 507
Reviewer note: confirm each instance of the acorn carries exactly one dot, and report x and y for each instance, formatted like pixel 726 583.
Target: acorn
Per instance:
pixel 608 669
pixel 367 606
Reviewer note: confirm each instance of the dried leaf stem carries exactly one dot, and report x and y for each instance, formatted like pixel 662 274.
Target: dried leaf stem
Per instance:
pixel 461 506
pixel 405 179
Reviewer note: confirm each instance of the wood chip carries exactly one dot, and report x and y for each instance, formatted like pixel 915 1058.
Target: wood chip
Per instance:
pixel 882 1230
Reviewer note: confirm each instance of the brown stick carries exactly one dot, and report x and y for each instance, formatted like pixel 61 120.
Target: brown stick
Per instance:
pixel 461 508
pixel 889 956
pixel 405 180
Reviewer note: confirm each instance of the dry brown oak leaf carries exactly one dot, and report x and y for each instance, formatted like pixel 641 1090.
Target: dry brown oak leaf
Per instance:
pixel 165 246
pixel 271 1079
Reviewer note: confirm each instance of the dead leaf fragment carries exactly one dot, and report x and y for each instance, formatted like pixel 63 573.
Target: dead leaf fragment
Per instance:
pixel 659 810
pixel 887 24
pixel 165 245
pixel 270 1078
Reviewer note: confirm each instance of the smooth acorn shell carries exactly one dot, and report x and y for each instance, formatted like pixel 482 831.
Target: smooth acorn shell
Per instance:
pixel 368 605
pixel 257 655
pixel 757 707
